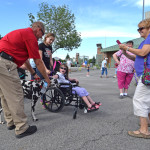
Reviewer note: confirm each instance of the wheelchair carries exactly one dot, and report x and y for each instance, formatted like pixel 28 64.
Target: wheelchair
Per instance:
pixel 59 95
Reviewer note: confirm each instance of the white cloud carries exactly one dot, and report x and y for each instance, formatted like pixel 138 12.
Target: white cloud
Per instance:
pixel 9 3
pixel 140 3
pixel 108 33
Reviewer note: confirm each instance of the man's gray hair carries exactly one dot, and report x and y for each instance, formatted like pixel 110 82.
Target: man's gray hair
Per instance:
pixel 38 24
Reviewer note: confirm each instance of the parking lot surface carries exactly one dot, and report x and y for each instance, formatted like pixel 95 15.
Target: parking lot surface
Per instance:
pixel 105 129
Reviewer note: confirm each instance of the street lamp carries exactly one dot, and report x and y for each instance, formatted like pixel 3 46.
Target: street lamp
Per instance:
pixel 143 11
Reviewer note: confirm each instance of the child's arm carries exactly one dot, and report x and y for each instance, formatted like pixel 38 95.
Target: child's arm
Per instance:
pixel 71 79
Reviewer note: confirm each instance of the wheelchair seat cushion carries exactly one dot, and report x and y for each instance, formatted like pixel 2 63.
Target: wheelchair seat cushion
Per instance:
pixel 80 91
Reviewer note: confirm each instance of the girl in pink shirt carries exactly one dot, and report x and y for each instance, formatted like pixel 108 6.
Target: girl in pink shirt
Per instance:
pixel 125 70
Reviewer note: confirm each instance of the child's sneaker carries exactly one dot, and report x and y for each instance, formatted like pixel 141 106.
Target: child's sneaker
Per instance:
pixel 47 103
pixel 41 101
pixel 92 108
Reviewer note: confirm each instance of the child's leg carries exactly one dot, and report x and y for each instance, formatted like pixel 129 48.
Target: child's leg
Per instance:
pixel 128 80
pixel 96 104
pixel 121 80
pixel 89 105
pixel 87 102
pixel 90 100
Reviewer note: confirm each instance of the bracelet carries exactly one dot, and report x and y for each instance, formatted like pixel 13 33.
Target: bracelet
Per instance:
pixel 34 74
pixel 127 49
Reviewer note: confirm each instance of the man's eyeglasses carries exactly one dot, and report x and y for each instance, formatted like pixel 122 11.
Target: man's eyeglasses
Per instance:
pixel 42 31
pixel 140 29
pixel 63 68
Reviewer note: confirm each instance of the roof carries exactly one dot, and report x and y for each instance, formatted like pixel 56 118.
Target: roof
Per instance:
pixel 116 47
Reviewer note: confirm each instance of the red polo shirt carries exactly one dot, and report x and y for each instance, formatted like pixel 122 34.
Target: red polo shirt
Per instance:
pixel 21 44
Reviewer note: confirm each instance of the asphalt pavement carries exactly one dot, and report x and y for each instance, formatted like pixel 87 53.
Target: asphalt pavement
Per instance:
pixel 105 129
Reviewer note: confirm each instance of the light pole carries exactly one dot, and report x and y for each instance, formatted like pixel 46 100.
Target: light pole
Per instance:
pixel 143 11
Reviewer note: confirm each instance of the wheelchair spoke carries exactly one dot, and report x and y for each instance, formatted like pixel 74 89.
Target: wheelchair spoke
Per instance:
pixel 55 98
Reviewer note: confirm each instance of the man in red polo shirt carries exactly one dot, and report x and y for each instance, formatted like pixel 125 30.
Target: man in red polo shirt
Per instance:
pixel 15 49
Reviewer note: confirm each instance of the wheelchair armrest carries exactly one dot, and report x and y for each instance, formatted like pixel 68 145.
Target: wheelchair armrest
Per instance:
pixel 62 84
pixel 74 83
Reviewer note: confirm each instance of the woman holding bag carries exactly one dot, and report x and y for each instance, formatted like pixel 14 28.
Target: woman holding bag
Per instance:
pixel 141 99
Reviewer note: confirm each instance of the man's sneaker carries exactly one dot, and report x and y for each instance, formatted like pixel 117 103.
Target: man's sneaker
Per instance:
pixel 47 103
pixel 29 131
pixel 41 101
pixel 11 127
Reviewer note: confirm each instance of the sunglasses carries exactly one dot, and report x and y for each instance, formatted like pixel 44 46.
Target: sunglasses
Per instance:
pixel 63 68
pixel 140 29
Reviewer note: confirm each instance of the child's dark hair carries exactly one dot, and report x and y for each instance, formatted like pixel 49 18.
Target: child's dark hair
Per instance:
pixel 66 74
pixel 130 42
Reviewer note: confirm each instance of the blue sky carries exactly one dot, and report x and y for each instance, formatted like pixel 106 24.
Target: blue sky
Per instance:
pixel 99 21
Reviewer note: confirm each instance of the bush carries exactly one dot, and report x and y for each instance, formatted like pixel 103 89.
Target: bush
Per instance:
pixel 97 66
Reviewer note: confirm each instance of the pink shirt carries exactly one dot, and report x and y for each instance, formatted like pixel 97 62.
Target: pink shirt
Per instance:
pixel 126 65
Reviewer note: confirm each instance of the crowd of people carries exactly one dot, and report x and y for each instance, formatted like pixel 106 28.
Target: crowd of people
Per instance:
pixel 24 52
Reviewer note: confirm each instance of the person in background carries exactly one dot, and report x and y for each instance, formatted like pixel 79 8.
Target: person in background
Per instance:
pixel 75 63
pixel 88 70
pixel 22 71
pixel 45 50
pixel 104 68
pixel 16 48
pixel 116 66
pixel 33 65
pixel 125 70
pixel 85 62
pixel 69 65
pixel 141 99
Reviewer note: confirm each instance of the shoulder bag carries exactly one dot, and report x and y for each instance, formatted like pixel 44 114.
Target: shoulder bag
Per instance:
pixel 146 73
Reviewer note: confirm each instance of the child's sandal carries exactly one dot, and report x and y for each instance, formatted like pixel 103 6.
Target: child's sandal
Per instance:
pixel 97 104
pixel 92 108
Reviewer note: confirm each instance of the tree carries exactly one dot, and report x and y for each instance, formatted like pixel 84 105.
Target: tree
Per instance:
pixel 93 60
pixel 67 57
pixel 60 21
pixel 0 36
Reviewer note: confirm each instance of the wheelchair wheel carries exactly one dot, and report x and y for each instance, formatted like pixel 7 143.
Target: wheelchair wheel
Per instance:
pixel 53 99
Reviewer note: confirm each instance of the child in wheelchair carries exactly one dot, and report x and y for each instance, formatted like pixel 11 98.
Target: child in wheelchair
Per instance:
pixel 62 77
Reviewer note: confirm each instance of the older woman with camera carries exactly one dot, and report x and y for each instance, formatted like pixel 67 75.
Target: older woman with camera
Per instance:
pixel 141 99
